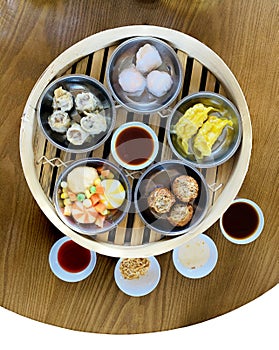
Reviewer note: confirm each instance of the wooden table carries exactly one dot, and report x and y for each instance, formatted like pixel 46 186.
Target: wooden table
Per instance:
pixel 32 35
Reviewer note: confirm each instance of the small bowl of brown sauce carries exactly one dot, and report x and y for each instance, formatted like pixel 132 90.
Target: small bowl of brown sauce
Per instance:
pixel 134 145
pixel 242 222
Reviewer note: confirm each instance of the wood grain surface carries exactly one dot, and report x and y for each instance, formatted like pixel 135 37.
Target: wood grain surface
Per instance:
pixel 32 34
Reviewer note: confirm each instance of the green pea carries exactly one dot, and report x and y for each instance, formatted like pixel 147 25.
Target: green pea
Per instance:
pixel 81 197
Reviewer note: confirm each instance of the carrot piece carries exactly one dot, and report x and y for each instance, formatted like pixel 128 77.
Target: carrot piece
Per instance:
pixel 95 199
pixel 100 189
pixel 100 207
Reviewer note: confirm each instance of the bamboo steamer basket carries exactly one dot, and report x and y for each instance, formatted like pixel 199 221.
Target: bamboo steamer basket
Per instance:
pixel 42 162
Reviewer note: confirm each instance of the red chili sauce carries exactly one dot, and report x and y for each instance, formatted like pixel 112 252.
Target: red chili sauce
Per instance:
pixel 72 257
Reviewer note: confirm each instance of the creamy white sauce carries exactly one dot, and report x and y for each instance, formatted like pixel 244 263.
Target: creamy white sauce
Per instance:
pixel 194 254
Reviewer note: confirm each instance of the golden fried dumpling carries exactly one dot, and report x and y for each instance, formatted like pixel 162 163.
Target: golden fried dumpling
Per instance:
pixel 62 100
pixel 188 125
pixel 208 135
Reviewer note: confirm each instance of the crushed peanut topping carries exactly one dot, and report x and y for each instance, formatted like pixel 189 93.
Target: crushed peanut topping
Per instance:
pixel 132 268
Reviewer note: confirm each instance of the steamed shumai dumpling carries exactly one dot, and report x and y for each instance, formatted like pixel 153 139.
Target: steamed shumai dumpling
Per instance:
pixel 76 135
pixel 86 102
pixel 93 123
pixel 158 83
pixel 147 58
pixel 131 80
pixel 59 121
pixel 62 100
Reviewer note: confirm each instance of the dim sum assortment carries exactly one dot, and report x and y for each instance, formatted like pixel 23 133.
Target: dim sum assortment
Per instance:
pixel 92 195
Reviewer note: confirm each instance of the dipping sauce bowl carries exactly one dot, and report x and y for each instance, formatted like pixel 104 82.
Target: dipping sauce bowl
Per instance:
pixel 71 262
pixel 134 145
pixel 243 221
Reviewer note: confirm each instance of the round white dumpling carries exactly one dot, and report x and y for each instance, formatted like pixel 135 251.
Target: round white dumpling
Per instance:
pixel 159 83
pixel 147 58
pixel 131 80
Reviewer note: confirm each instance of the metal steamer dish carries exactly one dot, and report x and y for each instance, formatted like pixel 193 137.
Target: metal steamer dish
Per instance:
pixel 43 163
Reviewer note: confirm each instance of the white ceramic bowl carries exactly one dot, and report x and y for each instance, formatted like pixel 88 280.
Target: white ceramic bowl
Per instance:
pixel 62 273
pixel 115 154
pixel 205 269
pixel 141 286
pixel 240 224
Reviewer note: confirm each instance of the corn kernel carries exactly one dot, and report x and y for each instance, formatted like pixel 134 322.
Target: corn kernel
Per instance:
pixel 97 181
pixel 88 194
pixel 64 195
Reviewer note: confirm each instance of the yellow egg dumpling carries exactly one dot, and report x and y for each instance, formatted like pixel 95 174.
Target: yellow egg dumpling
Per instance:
pixel 208 135
pixel 188 125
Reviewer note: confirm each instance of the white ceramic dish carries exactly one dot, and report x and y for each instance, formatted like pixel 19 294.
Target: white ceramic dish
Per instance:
pixel 63 274
pixel 141 286
pixel 258 229
pixel 150 132
pixel 198 272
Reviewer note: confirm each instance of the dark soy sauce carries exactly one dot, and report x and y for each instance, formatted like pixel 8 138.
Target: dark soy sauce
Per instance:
pixel 72 257
pixel 134 145
pixel 241 220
